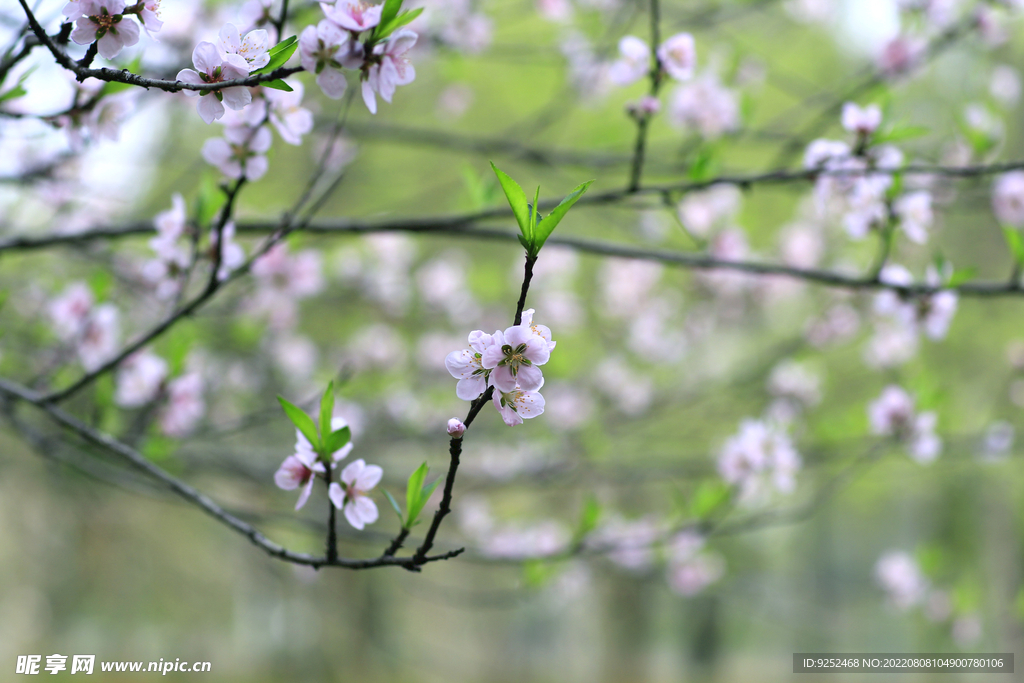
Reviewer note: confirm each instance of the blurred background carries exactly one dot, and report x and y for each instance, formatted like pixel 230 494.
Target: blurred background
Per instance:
pixel 680 572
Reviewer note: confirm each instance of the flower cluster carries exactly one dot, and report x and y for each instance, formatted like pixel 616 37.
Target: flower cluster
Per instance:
pixel 677 57
pixel 334 44
pixel 93 331
pixel 301 470
pixel 508 361
pixel 851 188
pixel 106 23
pixel 893 414
pixel 759 458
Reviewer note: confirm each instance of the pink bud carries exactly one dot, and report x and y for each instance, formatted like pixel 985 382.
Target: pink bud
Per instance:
pixel 455 428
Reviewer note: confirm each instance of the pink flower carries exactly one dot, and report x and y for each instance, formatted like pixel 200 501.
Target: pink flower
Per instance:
pixel 240 153
pixel 185 405
pixel 706 106
pixel 70 311
pixel 213 68
pixel 518 404
pixel 253 48
pixel 901 578
pixel 392 70
pixel 352 494
pixel 299 470
pixel 98 342
pixel 102 21
pixel 514 357
pixel 893 414
pixel 232 255
pixel 678 56
pixel 915 213
pixel 862 121
pixel 1008 198
pixel 150 16
pixel 286 115
pixel 466 365
pixel 353 15
pixel 324 50
pixel 455 428
pixel 139 379
pixel 633 63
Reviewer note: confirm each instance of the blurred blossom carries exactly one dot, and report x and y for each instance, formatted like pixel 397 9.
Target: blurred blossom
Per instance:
pixel 568 408
pixel 561 308
pixel 703 211
pixel 652 336
pixel 286 114
pixel 705 106
pixel 258 14
pixel 442 284
pixel 460 25
pixel 863 121
pixel 998 441
pixel 629 391
pixel 558 11
pixel 759 459
pixel 901 579
pixel 139 379
pixel 295 355
pixel 454 101
pixel 588 75
pixel 794 383
pixel 69 312
pixel 628 543
pixel 240 153
pixel 967 631
pixel 892 344
pixel 1004 85
pixel 914 211
pixel 626 284
pixel 282 279
pixel 185 405
pixel 633 63
pixel 980 119
pixel 678 56
pixel 729 245
pixel 801 245
pixel 899 55
pixel 689 569
pixel 542 539
pixel 938 607
pixel 99 339
pixel 335 152
pixel 213 67
pixel 1008 198
pixel 432 348
pixel 377 346
pixel 893 414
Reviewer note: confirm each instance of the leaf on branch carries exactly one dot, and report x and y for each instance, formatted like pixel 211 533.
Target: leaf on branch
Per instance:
pixel 1015 242
pixel 900 133
pixel 546 226
pixel 327 411
pixel 395 507
pixel 304 423
pixel 517 200
pixel 417 494
pixel 277 84
pixel 279 54
pixel 590 515
pixel 708 497
pixel 398 22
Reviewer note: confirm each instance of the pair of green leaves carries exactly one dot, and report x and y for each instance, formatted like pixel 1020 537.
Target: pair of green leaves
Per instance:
pixel 279 54
pixel 417 493
pixel 324 442
pixel 535 229
pixel 392 19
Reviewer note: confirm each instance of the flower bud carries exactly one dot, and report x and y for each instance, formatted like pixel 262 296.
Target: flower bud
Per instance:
pixel 455 428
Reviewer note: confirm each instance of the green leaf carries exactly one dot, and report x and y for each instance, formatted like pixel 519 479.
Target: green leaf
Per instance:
pixel 388 13
pixel 708 497
pixel 961 275
pixel 304 423
pixel 534 214
pixel 101 282
pixel 337 440
pixel 277 84
pixel 209 201
pixel 900 133
pixel 413 491
pixel 13 93
pixel 1015 242
pixel 517 200
pixel 394 506
pixel 385 30
pixel 551 221
pixel 704 164
pixel 589 517
pixel 327 411
pixel 279 54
